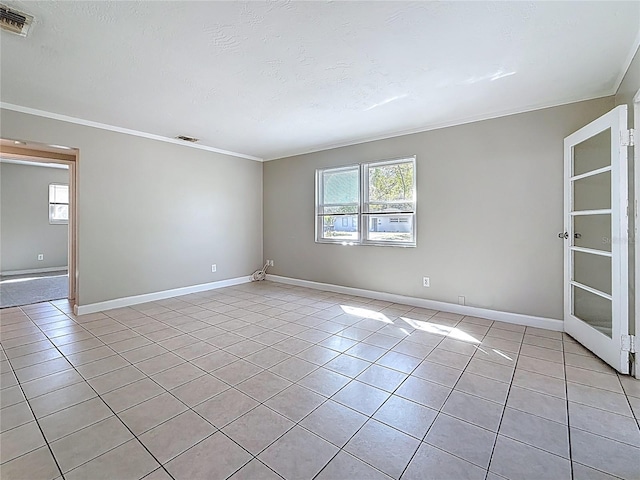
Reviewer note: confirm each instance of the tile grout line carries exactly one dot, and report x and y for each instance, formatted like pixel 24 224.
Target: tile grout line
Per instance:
pixel 391 394
pixel 441 407
pixel 39 428
pixel 571 461
pixel 370 417
pixel 148 376
pixel 637 418
pixel 114 413
pixel 504 408
pixel 566 394
pixel 293 355
pixel 306 326
pixel 313 410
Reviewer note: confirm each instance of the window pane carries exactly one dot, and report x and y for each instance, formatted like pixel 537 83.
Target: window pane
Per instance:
pixel 62 194
pixel 58 194
pixel 339 209
pixel 58 213
pixel 391 183
pixel 340 227
pixel 390 228
pixel 391 207
pixel 340 186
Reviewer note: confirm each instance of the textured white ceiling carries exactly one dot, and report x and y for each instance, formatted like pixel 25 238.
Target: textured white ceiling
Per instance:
pixel 275 79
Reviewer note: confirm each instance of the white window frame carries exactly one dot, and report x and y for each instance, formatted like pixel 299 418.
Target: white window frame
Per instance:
pixel 53 221
pixel 363 212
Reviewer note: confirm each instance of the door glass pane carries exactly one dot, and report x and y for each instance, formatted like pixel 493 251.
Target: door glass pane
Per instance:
pixel 593 231
pixel 593 153
pixel 593 271
pixel 592 309
pixel 592 193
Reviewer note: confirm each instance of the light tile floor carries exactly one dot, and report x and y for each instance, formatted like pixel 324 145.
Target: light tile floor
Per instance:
pixel 264 381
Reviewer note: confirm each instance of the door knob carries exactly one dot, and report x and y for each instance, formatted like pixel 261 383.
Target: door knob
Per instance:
pixel 564 235
pixel 577 235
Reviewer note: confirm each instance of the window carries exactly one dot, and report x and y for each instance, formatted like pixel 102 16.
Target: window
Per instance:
pixel 58 204
pixel 378 197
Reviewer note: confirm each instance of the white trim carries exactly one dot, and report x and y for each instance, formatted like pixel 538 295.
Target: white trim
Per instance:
pixel 508 317
pixel 591 290
pixel 636 196
pixel 151 297
pixel 453 123
pixel 602 253
pixel 627 64
pixel 603 211
pixel 591 173
pixel 127 131
pixel 33 270
pixel 6 158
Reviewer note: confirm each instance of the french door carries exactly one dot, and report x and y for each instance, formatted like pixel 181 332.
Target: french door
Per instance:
pixel 596 310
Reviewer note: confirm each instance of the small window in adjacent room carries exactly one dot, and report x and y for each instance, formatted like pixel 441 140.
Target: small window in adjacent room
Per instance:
pixel 58 204
pixel 379 197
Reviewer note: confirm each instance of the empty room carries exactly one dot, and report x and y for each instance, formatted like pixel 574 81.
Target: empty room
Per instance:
pixel 327 240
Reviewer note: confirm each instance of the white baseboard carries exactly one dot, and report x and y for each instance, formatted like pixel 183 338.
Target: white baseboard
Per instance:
pixel 33 270
pixel 150 297
pixel 508 317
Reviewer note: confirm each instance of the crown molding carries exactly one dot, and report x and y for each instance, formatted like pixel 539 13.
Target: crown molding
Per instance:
pixel 126 131
pixel 627 64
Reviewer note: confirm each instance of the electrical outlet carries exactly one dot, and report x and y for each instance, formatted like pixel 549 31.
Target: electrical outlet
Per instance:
pixel 41 256
pixel 271 263
pixel 213 268
pixel 425 282
pixel 461 299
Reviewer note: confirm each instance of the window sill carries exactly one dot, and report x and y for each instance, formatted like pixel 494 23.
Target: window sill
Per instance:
pixel 366 244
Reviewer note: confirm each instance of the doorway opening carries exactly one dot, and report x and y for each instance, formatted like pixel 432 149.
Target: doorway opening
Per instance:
pixel 38 223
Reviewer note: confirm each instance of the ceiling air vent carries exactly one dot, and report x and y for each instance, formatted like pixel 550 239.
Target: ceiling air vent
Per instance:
pixel 188 139
pixel 14 21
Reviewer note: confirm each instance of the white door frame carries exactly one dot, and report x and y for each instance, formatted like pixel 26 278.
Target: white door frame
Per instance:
pixel 34 152
pixel 609 349
pixel 636 196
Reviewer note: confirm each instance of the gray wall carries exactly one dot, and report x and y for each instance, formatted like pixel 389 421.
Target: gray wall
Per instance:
pixel 490 203
pixel 624 96
pixel 152 215
pixel 24 218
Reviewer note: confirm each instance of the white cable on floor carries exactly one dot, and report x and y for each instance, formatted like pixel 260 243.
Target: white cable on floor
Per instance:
pixel 259 275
